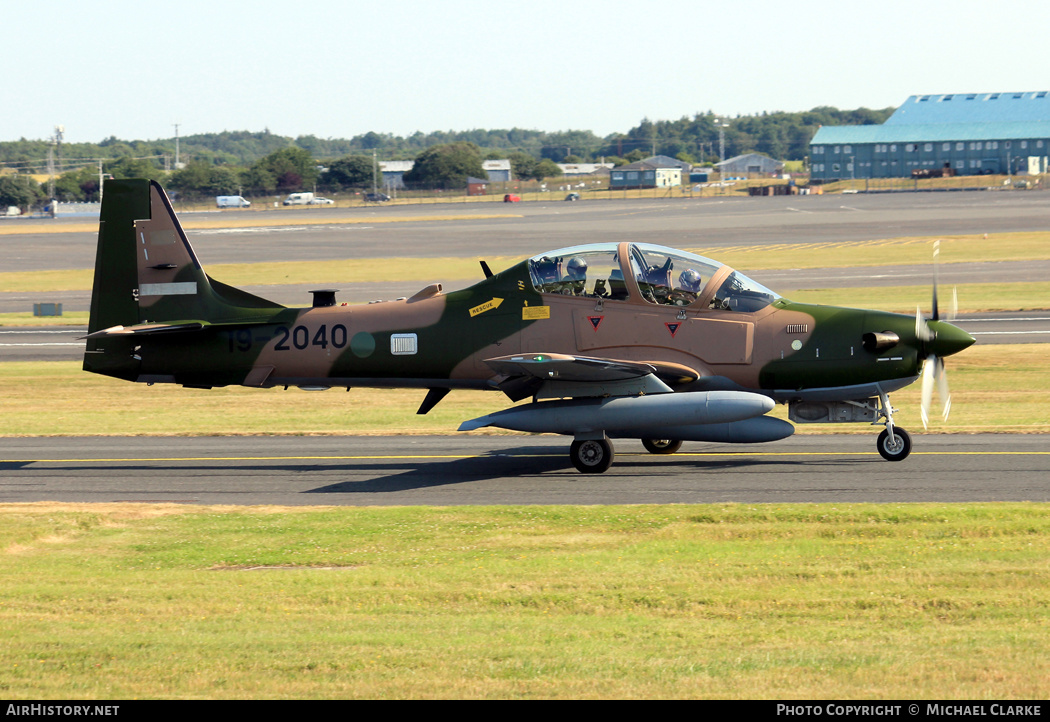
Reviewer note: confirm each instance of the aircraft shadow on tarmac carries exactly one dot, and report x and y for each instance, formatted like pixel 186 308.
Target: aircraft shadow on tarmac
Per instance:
pixel 406 474
pixel 534 462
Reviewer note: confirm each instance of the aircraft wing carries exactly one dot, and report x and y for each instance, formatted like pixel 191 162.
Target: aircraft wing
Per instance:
pixel 554 375
pixel 568 368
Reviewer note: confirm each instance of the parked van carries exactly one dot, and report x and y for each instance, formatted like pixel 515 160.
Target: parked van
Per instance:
pixel 231 202
pixel 298 199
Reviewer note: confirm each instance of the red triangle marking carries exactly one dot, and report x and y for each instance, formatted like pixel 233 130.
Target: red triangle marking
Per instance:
pixel 673 328
pixel 596 321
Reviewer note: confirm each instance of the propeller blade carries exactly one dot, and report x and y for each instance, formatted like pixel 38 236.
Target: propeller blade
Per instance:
pixel 942 389
pixel 922 329
pixel 933 373
pixel 929 367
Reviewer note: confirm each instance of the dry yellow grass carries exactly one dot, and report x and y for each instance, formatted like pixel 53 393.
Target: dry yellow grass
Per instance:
pixel 1001 388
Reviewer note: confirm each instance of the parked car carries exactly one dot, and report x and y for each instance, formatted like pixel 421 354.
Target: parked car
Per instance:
pixel 573 197
pixel 511 198
pixel 319 201
pixel 376 197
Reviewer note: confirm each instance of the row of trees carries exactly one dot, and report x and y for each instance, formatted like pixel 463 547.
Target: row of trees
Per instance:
pixel 245 163
pixel 286 170
pixel 780 135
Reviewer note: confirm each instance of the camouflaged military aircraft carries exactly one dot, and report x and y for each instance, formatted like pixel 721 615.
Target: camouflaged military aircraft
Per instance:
pixel 611 340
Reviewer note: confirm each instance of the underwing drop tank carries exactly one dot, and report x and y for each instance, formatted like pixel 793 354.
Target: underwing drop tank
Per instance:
pixel 586 416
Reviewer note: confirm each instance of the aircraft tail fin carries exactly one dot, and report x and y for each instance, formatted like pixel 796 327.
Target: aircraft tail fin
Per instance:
pixel 146 270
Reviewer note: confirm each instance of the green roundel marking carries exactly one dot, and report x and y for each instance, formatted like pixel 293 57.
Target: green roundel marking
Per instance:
pixel 363 344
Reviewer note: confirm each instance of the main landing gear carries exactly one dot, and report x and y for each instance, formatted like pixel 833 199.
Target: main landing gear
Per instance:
pixel 661 446
pixel 591 456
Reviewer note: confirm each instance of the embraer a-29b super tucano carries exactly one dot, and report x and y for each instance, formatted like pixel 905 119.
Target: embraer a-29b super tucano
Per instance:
pixel 611 340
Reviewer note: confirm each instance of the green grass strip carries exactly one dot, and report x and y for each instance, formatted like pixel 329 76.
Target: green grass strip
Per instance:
pixel 828 601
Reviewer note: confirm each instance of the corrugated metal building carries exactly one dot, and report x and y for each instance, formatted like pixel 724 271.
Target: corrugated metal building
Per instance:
pixel 394 172
pixel 498 171
pixel 968 133
pixel 750 164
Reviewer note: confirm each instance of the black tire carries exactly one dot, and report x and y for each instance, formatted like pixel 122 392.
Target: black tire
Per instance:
pixel 661 446
pixel 894 452
pixel 591 456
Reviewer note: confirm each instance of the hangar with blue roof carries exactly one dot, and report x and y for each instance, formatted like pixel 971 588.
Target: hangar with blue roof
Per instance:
pixel 955 134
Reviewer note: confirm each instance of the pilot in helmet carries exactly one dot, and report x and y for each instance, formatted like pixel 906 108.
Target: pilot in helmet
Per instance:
pixel 577 269
pixel 689 281
pixel 575 276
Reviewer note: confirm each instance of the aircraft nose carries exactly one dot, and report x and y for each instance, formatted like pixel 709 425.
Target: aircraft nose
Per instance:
pixel 948 339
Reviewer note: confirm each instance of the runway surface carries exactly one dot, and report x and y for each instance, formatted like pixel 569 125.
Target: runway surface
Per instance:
pixel 525 229
pixel 464 470
pixel 529 228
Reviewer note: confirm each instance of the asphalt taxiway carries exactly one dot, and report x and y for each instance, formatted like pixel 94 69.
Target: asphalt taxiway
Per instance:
pixel 465 470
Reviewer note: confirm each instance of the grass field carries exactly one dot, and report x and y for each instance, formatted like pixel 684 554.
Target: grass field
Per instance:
pixel 896 601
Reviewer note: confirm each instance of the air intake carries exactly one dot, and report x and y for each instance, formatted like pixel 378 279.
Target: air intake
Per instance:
pixel 880 341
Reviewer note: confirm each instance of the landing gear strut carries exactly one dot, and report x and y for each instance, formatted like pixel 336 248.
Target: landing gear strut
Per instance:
pixel 894 444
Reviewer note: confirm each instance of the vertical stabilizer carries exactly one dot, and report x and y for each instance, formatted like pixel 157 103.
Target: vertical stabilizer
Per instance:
pixel 146 271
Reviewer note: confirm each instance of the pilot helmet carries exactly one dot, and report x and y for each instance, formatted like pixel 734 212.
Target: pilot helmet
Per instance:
pixel 577 268
pixel 689 280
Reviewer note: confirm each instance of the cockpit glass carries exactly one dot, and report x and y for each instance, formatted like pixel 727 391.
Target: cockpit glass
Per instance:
pixel 580 271
pixel 740 293
pixel 664 275
pixel 670 277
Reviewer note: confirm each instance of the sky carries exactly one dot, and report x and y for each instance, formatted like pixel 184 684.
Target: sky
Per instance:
pixel 339 69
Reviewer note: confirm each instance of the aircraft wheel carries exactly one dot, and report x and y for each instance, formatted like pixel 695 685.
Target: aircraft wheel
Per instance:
pixel 591 456
pixel 661 446
pixel 894 451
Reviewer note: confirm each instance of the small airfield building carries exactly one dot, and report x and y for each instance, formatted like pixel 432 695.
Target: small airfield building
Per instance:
pixel 659 171
pixel 932 135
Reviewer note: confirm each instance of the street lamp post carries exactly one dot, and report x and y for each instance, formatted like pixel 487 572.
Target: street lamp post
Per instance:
pixel 721 125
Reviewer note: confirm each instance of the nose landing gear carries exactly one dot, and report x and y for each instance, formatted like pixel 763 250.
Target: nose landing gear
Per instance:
pixel 894 443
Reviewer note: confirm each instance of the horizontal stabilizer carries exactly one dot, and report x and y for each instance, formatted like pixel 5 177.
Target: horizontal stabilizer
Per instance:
pixel 144 329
